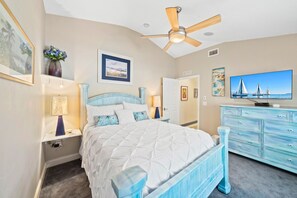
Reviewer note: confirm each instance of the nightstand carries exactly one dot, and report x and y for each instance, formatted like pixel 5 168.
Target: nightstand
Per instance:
pixel 68 134
pixel 61 149
pixel 162 119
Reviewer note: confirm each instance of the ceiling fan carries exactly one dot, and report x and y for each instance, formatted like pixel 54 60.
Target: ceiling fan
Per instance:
pixel 178 33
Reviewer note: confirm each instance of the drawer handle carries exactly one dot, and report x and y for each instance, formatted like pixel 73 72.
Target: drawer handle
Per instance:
pixel 290 145
pixel 290 160
pixel 290 130
pixel 281 116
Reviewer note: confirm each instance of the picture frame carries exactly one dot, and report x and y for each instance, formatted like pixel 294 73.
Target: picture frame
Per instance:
pixel 218 82
pixel 17 52
pixel 114 68
pixel 195 93
pixel 184 93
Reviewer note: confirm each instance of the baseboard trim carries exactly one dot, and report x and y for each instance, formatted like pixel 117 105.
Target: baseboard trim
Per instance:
pixel 62 160
pixel 40 182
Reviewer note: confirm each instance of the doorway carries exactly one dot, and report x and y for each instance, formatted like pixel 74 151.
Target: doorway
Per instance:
pixel 189 108
pixel 180 111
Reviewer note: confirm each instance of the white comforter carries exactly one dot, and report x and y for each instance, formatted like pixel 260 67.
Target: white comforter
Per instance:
pixel 161 149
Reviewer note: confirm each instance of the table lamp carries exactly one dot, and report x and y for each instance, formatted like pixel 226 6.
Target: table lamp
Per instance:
pixel 157 104
pixel 59 108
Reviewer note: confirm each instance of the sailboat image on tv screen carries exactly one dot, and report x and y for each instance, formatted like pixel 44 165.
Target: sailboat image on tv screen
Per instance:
pixel 241 90
pixel 260 93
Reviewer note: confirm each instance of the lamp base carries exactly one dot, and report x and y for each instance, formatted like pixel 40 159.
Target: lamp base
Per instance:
pixel 60 126
pixel 157 113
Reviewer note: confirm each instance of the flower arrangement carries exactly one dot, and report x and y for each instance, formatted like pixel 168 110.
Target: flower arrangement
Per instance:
pixel 55 54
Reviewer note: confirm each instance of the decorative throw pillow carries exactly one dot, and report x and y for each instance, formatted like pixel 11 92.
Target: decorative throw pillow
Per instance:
pixel 139 116
pixel 125 116
pixel 107 120
pixel 95 111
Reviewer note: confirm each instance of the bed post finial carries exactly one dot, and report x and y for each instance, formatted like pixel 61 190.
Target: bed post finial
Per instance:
pixel 142 94
pixel 84 89
pixel 224 185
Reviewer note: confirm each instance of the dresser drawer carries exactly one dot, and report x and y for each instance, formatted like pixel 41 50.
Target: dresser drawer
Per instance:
pixel 242 123
pixel 231 111
pixel 245 136
pixel 266 114
pixel 281 142
pixel 244 148
pixel 280 128
pixel 281 158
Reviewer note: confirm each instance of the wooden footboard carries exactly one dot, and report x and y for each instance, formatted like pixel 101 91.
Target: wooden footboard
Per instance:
pixel 197 180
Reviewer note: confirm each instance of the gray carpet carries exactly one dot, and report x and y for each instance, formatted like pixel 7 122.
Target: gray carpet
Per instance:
pixel 249 179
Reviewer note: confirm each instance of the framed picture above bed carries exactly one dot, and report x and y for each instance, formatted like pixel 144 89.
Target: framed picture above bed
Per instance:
pixel 114 68
pixel 184 93
pixel 16 49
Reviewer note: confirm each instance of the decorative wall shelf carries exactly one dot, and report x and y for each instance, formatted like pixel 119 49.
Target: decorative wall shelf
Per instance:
pixel 55 81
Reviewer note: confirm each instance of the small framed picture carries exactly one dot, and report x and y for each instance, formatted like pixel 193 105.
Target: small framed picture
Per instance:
pixel 113 68
pixel 195 93
pixel 218 82
pixel 184 93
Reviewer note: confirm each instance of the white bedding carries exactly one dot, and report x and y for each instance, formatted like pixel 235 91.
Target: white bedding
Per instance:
pixel 161 149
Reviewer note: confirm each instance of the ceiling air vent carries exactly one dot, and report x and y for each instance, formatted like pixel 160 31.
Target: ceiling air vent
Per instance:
pixel 213 52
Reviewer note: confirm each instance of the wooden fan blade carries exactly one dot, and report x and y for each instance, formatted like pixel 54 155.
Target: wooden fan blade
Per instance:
pixel 173 18
pixel 154 36
pixel 211 21
pixel 167 46
pixel 192 41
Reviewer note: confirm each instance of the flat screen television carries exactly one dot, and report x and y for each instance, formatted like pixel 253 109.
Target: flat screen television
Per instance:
pixel 270 85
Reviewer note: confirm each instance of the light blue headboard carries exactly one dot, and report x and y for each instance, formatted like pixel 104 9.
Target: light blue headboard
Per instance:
pixel 105 99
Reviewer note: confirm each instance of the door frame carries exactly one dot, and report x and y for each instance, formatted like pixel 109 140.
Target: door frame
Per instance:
pixel 198 86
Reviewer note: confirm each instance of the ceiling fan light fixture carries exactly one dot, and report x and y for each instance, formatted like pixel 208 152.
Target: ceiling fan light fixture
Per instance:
pixel 177 36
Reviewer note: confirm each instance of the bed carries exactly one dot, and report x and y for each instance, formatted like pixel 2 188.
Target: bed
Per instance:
pixel 150 158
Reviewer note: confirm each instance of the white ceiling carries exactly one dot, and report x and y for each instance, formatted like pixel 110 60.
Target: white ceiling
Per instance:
pixel 241 19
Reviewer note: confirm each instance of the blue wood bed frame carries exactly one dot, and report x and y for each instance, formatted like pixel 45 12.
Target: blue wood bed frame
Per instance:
pixel 198 179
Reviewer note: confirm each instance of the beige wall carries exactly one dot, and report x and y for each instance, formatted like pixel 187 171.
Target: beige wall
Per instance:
pixel 189 109
pixel 21 113
pixel 81 39
pixel 242 57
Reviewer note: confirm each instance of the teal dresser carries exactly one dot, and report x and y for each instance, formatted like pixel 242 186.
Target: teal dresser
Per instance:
pixel 265 134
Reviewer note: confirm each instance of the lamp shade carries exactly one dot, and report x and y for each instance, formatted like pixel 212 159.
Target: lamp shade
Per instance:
pixel 59 105
pixel 156 101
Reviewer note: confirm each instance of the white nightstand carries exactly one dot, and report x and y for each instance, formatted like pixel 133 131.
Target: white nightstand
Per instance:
pixel 68 134
pixel 162 119
pixel 63 148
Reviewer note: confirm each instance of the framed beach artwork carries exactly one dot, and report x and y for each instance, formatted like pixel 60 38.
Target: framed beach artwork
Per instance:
pixel 184 93
pixel 218 82
pixel 113 68
pixel 16 49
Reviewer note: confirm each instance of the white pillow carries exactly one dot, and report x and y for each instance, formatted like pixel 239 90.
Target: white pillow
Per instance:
pixel 125 116
pixel 136 107
pixel 93 111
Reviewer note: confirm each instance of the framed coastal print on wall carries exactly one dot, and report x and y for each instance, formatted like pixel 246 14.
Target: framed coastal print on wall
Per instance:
pixel 114 68
pixel 16 49
pixel 184 93
pixel 218 82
